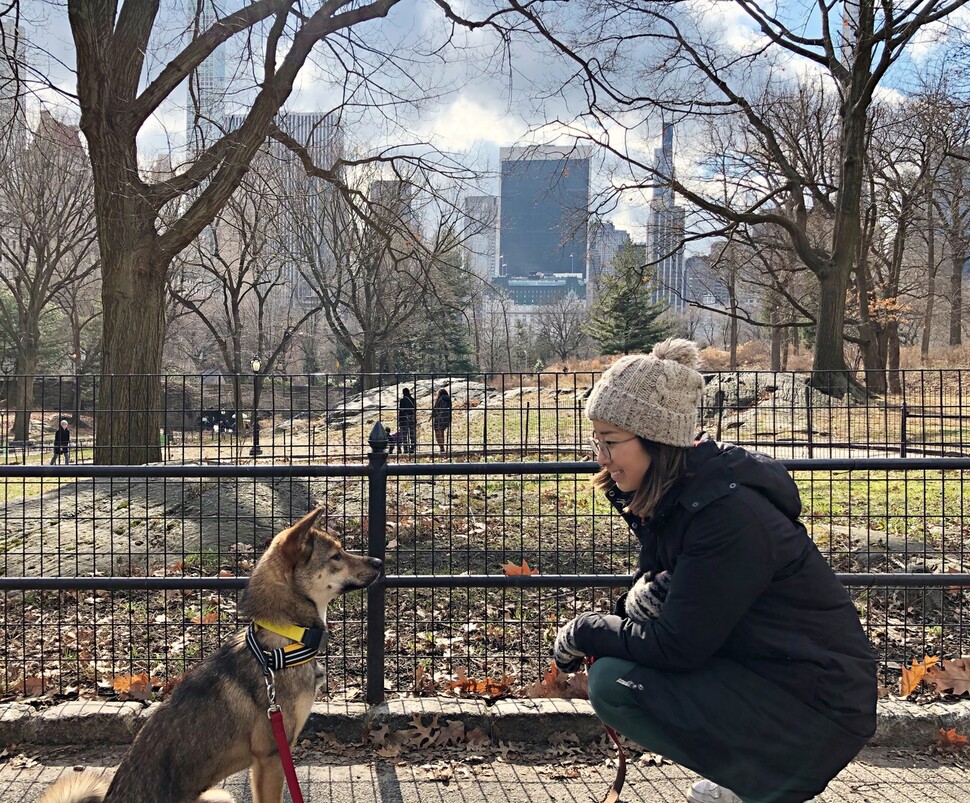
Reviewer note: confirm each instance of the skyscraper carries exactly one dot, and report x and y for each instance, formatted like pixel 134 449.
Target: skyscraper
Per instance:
pixel 604 242
pixel 665 231
pixel 206 93
pixel 481 235
pixel 544 210
pixel 303 198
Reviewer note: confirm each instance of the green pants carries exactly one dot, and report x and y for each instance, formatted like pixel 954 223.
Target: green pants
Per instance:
pixel 725 723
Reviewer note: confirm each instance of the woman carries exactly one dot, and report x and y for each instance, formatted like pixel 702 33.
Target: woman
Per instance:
pixel 441 416
pixel 737 652
pixel 62 443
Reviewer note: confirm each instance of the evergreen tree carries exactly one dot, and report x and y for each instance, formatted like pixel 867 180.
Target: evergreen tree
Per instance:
pixel 623 317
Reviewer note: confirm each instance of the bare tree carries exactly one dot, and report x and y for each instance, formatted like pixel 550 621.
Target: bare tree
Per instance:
pixel 240 278
pixel 47 245
pixel 665 59
pixel 119 89
pixel 559 327
pixel 373 274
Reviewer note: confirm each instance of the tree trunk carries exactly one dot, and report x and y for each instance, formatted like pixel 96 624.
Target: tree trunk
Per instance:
pixel 777 335
pixel 873 360
pixel 26 368
pixel 956 296
pixel 369 377
pixel 25 403
pixel 924 346
pixel 128 417
pixel 892 358
pixel 829 371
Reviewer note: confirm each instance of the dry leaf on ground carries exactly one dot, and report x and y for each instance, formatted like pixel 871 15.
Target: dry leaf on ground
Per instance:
pixel 511 568
pixel 953 676
pixel 950 738
pixel 913 676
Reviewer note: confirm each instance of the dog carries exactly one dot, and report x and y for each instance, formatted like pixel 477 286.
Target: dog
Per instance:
pixel 215 723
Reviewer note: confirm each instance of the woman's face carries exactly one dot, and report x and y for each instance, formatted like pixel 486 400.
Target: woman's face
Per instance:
pixel 622 453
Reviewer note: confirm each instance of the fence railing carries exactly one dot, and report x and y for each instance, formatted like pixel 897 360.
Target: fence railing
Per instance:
pixel 115 573
pixel 328 417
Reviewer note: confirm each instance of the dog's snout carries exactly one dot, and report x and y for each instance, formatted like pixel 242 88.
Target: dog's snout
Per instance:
pixel 376 563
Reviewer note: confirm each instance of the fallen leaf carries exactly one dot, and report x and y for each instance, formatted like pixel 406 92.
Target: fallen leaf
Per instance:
pixel 512 569
pixel 421 735
pixel 135 687
pixel 950 738
pixel 953 675
pixel 913 676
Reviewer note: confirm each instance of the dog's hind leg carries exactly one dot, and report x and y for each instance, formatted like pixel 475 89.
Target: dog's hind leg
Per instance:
pixel 266 779
pixel 216 796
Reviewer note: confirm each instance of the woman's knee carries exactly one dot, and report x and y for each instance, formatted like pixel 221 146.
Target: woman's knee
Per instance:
pixel 604 690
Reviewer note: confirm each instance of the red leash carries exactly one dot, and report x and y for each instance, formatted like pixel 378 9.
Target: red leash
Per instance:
pixel 286 759
pixel 613 796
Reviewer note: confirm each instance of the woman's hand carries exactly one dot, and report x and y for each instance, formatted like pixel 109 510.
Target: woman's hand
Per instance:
pixel 565 653
pixel 644 601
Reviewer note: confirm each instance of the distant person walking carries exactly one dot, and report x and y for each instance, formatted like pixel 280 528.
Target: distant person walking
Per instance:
pixel 62 443
pixel 441 416
pixel 407 421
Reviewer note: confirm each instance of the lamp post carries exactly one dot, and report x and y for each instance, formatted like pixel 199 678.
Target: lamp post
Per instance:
pixel 75 358
pixel 255 363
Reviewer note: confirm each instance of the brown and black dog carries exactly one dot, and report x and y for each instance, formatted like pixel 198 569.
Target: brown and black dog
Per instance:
pixel 215 723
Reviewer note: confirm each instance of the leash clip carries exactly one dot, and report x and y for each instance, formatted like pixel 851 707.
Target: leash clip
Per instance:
pixel 270 691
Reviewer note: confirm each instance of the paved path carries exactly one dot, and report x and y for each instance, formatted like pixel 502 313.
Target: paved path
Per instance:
pixel 356 775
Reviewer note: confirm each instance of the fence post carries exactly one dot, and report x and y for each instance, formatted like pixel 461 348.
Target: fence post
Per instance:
pixel 808 420
pixel 902 430
pixel 376 543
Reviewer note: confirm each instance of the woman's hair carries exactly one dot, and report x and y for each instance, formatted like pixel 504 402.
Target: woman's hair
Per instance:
pixel 667 465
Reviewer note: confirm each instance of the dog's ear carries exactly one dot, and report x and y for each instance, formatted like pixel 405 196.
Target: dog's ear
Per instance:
pixel 296 543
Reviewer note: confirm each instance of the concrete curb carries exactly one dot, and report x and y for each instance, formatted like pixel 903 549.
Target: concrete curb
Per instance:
pixel 900 724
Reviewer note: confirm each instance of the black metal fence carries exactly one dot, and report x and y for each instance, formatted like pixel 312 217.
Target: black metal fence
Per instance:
pixel 327 417
pixel 115 573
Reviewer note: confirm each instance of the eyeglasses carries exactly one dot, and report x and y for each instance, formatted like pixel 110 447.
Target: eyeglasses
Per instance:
pixel 604 448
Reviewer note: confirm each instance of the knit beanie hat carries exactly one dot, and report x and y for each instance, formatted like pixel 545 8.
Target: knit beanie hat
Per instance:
pixel 655 396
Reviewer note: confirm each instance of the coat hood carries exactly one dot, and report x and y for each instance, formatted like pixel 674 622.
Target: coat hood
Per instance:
pixel 715 469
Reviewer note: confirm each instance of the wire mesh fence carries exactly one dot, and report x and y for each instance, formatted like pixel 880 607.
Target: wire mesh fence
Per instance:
pixel 328 417
pixel 163 550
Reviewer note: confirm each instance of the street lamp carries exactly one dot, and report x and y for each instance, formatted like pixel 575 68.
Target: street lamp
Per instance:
pixel 75 358
pixel 255 363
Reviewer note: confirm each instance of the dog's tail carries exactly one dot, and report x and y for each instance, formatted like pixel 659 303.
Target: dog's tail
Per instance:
pixel 82 787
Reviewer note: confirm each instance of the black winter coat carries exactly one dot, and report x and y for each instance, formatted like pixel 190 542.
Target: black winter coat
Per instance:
pixel 747 583
pixel 407 413
pixel 62 439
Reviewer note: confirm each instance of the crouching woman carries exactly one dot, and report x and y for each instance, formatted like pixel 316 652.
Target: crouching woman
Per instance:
pixel 737 652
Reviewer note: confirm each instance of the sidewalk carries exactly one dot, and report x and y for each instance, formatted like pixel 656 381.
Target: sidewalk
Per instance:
pixel 529 756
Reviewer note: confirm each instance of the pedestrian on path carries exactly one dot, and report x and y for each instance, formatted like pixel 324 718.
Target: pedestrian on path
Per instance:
pixel 737 652
pixel 62 443
pixel 407 421
pixel 441 416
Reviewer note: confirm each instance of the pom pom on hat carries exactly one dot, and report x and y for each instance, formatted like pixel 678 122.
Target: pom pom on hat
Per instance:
pixel 655 396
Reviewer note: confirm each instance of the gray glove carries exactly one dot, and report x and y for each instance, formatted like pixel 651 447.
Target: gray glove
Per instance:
pixel 565 653
pixel 645 600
